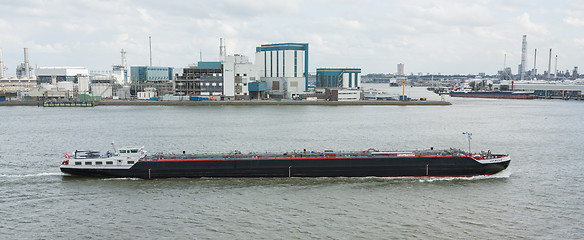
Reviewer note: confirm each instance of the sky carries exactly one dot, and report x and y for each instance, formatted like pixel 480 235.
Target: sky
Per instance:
pixel 427 36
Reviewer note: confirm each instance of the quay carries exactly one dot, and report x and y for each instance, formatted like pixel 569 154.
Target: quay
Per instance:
pixel 239 102
pixel 553 91
pixel 271 102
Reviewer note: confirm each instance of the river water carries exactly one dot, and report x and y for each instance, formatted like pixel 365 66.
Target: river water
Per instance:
pixel 540 196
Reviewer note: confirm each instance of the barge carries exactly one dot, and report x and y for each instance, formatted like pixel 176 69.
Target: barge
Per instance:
pixel 135 162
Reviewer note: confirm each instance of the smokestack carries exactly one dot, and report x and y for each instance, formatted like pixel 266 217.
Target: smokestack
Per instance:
pixel 221 50
pixel 1 65
pixel 150 43
pixel 523 57
pixel 123 58
pixel 26 65
pixel 549 65
pixel 534 63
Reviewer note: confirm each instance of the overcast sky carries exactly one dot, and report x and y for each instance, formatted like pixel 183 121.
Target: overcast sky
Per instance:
pixel 448 37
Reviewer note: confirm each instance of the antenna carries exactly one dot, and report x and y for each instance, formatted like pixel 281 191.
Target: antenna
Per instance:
pixel 113 146
pixel 200 55
pixel 150 41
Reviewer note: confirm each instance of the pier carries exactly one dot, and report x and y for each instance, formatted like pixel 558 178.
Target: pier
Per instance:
pixel 553 91
pixel 224 103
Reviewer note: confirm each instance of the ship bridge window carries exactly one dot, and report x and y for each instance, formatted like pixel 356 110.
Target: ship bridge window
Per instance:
pixel 122 151
pixel 109 162
pixel 98 163
pixel 134 150
pixel 77 163
pixel 87 163
pixel 130 162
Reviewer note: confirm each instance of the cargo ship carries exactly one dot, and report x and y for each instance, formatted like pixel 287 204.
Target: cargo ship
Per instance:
pixel 494 94
pixel 134 162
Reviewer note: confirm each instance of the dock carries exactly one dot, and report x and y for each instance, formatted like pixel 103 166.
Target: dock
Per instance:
pixel 270 102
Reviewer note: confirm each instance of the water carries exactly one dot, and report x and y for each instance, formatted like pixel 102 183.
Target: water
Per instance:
pixel 538 197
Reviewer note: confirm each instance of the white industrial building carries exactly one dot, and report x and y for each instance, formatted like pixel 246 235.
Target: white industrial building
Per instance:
pixel 284 66
pixel 120 71
pixel 53 75
pixel 238 71
pixel 23 79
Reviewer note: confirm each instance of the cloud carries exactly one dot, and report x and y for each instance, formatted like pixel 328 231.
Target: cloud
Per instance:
pixel 577 22
pixel 456 36
pixel 579 42
pixel 530 26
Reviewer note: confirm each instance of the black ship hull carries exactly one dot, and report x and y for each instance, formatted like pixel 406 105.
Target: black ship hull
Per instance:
pixel 413 166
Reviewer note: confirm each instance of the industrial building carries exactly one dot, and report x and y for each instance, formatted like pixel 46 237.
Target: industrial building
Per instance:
pixel 151 74
pixel 151 77
pixel 204 79
pixel 284 67
pixel 349 78
pixel 24 70
pixel 54 75
pixel 339 84
pixel 238 72
pixel 24 78
pixel 103 84
pixel 120 71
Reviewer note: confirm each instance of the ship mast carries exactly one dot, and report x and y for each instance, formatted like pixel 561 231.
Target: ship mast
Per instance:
pixel 469 138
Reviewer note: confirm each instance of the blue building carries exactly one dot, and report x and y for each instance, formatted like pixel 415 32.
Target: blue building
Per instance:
pixel 284 66
pixel 348 78
pixel 151 74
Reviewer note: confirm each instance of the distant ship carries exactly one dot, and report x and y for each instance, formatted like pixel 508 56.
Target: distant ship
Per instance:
pixel 493 94
pixel 393 82
pixel 134 162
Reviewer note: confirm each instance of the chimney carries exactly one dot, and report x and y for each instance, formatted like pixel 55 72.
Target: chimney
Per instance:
pixel 26 64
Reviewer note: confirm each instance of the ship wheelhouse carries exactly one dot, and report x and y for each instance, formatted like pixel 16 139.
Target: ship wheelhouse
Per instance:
pixel 125 156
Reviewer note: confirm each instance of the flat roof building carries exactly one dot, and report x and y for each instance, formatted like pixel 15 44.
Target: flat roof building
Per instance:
pixel 348 78
pixel 284 66
pixel 238 71
pixel 205 79
pixel 53 75
pixel 150 73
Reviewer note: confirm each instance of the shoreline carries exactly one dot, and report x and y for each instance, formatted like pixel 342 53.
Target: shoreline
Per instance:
pixel 243 103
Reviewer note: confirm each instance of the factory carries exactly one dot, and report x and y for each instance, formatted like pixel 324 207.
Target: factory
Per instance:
pixel 204 79
pixel 284 67
pixel 280 71
pixel 339 84
pixel 24 78
pixel 238 72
